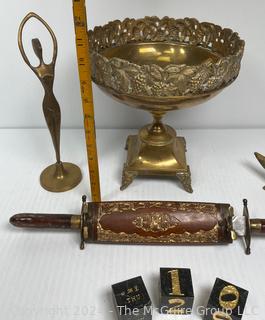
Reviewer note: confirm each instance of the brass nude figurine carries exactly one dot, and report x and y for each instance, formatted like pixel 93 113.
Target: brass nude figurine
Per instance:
pixel 61 176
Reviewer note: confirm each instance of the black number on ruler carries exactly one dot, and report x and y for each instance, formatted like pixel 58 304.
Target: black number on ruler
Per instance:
pixel 81 61
pixel 79 22
pixel 86 100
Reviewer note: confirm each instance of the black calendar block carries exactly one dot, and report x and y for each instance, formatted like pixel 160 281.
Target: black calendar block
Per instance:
pixel 227 301
pixel 176 291
pixel 132 300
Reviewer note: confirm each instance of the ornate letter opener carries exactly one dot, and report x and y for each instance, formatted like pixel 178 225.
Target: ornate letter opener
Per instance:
pixel 61 176
pixel 151 222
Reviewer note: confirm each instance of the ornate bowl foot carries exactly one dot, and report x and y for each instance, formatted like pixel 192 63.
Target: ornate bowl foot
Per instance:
pixel 127 177
pixel 185 179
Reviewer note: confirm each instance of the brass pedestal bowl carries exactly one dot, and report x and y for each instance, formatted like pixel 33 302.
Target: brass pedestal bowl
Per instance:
pixel 160 65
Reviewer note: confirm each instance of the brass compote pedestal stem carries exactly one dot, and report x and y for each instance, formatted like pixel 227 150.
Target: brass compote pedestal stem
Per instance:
pixel 61 176
pixel 156 150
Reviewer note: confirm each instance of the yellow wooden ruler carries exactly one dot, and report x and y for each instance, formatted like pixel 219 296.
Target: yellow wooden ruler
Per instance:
pixel 84 66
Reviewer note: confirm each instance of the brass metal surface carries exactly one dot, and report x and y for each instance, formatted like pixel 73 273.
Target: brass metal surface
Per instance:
pixel 229 291
pixel 233 235
pixel 123 207
pixel 248 227
pixel 149 157
pixel 76 222
pixel 185 238
pixel 176 289
pixel 154 222
pixel 85 220
pixel 220 315
pixel 60 176
pixel 160 65
pixel 256 225
pixel 261 160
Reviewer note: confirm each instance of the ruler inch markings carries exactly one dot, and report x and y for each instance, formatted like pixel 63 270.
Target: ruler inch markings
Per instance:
pixel 84 69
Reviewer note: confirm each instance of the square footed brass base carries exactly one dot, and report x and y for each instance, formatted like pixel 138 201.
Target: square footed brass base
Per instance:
pixel 144 159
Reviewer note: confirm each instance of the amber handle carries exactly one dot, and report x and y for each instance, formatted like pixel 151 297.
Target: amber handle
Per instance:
pixel 257 226
pixel 54 221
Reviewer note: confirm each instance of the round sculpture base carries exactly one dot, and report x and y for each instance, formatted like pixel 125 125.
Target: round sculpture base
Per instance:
pixel 149 156
pixel 60 177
